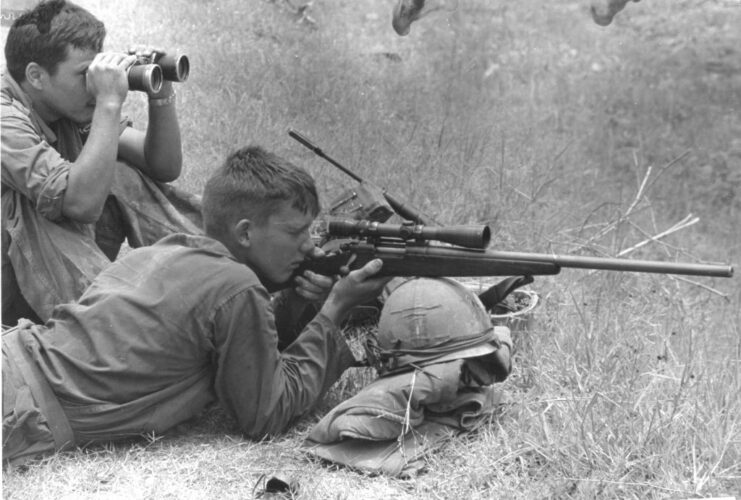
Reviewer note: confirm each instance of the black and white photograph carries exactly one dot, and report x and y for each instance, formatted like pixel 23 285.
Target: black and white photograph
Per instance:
pixel 371 249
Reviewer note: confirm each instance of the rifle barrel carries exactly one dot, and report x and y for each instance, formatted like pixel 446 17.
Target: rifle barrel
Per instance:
pixel 411 260
pixel 318 151
pixel 615 264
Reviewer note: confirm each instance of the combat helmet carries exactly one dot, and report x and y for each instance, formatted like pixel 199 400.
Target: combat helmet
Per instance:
pixel 430 320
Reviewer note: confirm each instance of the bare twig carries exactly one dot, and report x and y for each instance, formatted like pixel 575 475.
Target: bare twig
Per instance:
pixel 636 200
pixel 407 419
pixel 701 285
pixel 684 223
pixel 642 189
pixel 666 167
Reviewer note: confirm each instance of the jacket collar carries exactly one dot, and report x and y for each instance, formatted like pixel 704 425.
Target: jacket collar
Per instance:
pixel 13 90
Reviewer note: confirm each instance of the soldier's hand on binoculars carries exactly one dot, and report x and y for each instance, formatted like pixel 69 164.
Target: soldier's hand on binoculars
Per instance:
pixel 146 52
pixel 106 76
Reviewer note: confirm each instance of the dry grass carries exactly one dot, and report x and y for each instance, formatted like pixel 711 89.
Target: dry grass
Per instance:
pixel 525 116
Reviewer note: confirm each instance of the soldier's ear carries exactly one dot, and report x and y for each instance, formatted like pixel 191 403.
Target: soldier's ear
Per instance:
pixel 36 75
pixel 241 232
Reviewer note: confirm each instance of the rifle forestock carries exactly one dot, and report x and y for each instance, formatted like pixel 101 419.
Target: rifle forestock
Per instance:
pixel 427 261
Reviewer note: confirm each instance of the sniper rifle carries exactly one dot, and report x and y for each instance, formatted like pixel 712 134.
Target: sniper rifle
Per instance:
pixel 420 247
pixel 409 250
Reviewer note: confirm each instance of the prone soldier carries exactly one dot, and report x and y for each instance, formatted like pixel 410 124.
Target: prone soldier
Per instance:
pixel 170 328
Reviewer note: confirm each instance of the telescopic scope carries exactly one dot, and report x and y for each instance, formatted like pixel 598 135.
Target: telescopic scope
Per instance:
pixel 464 236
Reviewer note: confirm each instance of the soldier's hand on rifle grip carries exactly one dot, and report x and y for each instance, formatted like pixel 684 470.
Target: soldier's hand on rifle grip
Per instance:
pixel 312 286
pixel 358 287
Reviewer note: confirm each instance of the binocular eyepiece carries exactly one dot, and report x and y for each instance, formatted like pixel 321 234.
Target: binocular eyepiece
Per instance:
pixel 146 76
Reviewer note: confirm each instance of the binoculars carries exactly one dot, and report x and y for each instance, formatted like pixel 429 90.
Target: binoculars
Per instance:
pixel 147 76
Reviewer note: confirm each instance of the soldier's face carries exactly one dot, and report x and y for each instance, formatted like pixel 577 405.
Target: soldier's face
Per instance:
pixel 280 245
pixel 65 94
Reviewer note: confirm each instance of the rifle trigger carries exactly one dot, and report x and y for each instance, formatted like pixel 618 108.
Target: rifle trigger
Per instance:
pixel 353 258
